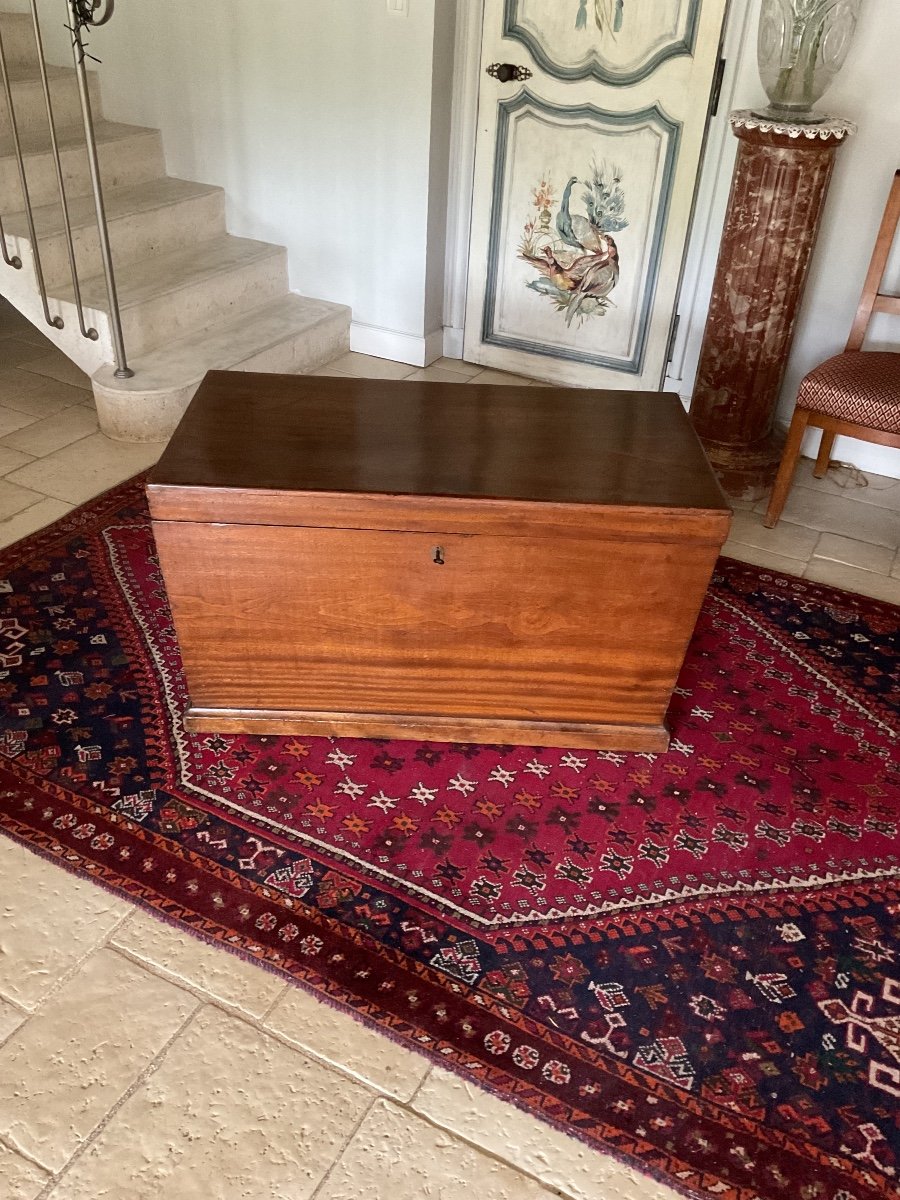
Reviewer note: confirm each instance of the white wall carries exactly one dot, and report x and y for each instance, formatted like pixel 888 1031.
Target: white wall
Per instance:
pixel 866 92
pixel 317 120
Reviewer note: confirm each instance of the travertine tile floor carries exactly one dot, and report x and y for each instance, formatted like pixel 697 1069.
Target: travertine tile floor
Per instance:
pixel 137 1063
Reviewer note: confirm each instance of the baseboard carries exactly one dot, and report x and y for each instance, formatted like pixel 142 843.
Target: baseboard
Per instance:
pixel 396 345
pixel 453 342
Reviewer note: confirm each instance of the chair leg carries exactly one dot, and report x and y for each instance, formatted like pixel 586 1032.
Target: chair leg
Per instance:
pixel 788 464
pixel 824 456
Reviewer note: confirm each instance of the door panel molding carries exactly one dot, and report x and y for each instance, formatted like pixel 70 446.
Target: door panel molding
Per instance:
pixel 682 40
pixel 572 263
pixel 623 123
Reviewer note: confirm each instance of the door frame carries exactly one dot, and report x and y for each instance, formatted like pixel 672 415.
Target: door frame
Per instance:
pixel 714 185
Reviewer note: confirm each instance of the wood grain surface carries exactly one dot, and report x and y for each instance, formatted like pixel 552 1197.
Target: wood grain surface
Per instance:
pixel 523 593
pixel 292 433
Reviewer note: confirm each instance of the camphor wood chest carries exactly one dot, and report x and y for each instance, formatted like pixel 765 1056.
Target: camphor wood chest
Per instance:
pixel 435 561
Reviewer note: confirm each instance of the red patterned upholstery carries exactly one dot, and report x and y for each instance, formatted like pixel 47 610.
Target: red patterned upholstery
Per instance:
pixel 861 386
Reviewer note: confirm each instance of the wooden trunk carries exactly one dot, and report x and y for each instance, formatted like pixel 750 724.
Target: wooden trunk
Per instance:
pixel 443 562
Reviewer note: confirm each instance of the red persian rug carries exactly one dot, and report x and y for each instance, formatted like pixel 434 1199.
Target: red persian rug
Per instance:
pixel 690 960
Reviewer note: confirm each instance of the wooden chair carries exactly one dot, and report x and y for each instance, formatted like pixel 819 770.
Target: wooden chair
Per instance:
pixel 856 393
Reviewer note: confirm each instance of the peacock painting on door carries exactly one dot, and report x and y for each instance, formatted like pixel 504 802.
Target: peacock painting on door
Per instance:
pixel 576 255
pixel 586 165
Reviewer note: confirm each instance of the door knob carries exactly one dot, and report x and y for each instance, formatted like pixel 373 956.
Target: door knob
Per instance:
pixel 505 72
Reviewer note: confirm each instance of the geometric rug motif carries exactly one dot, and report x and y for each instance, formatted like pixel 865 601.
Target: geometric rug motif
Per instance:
pixel 690 960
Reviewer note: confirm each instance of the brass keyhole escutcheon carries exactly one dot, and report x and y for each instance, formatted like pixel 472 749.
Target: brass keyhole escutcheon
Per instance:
pixel 506 72
pixel 438 555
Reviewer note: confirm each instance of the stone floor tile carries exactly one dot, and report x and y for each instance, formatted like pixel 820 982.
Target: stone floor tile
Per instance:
pixel 850 483
pixel 502 378
pixel 437 375
pixel 56 365
pixel 786 539
pixel 50 921
pixel 52 433
pixel 838 514
pixel 14 351
pixel 556 1159
pixel 26 332
pixel 457 365
pixel 31 519
pixel 397 1155
pixel 14 382
pixel 338 1038
pixel 14 498
pixel 367 367
pixel 186 959
pixel 854 553
pixel 330 371
pixel 10 1020
pixel 10 459
pixel 763 558
pixel 70 1063
pixel 15 324
pixel 36 396
pixel 12 322
pixel 20 1180
pixel 231 1114
pixel 11 420
pixel 84 469
pixel 852 579
pixel 895 569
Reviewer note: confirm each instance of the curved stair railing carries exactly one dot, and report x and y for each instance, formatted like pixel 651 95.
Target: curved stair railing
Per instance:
pixel 83 14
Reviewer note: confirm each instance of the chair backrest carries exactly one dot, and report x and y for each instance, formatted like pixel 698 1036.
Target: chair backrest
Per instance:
pixel 873 300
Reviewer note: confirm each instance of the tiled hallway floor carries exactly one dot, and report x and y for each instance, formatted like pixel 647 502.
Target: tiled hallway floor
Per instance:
pixel 137 1063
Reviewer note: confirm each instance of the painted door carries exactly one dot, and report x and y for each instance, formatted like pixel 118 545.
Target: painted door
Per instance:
pixel 585 174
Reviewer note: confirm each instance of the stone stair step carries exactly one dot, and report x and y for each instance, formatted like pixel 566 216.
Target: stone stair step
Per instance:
pixel 291 335
pixel 156 216
pixel 163 297
pixel 128 154
pixel 192 297
pixel 31 107
pixel 19 45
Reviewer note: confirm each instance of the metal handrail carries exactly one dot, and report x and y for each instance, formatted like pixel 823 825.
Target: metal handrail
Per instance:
pixel 82 14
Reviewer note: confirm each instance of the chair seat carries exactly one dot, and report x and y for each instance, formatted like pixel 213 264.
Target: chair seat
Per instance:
pixel 861 386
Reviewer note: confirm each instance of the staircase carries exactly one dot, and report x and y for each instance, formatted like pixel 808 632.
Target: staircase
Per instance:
pixel 192 297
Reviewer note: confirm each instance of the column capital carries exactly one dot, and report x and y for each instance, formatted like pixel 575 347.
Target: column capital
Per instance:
pixel 750 125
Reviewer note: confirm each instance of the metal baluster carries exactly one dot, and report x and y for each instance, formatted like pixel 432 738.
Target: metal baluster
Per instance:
pixel 81 13
pixel 60 179
pixel 56 322
pixel 10 260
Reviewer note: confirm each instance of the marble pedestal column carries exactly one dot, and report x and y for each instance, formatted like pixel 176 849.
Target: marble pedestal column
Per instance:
pixel 777 195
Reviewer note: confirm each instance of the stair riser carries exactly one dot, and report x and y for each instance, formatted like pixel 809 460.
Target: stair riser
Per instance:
pixel 137 236
pixel 19 45
pixel 125 161
pixel 172 316
pixel 306 352
pixel 31 107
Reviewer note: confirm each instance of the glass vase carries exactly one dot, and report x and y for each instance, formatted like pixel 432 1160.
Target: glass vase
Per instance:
pixel 801 47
